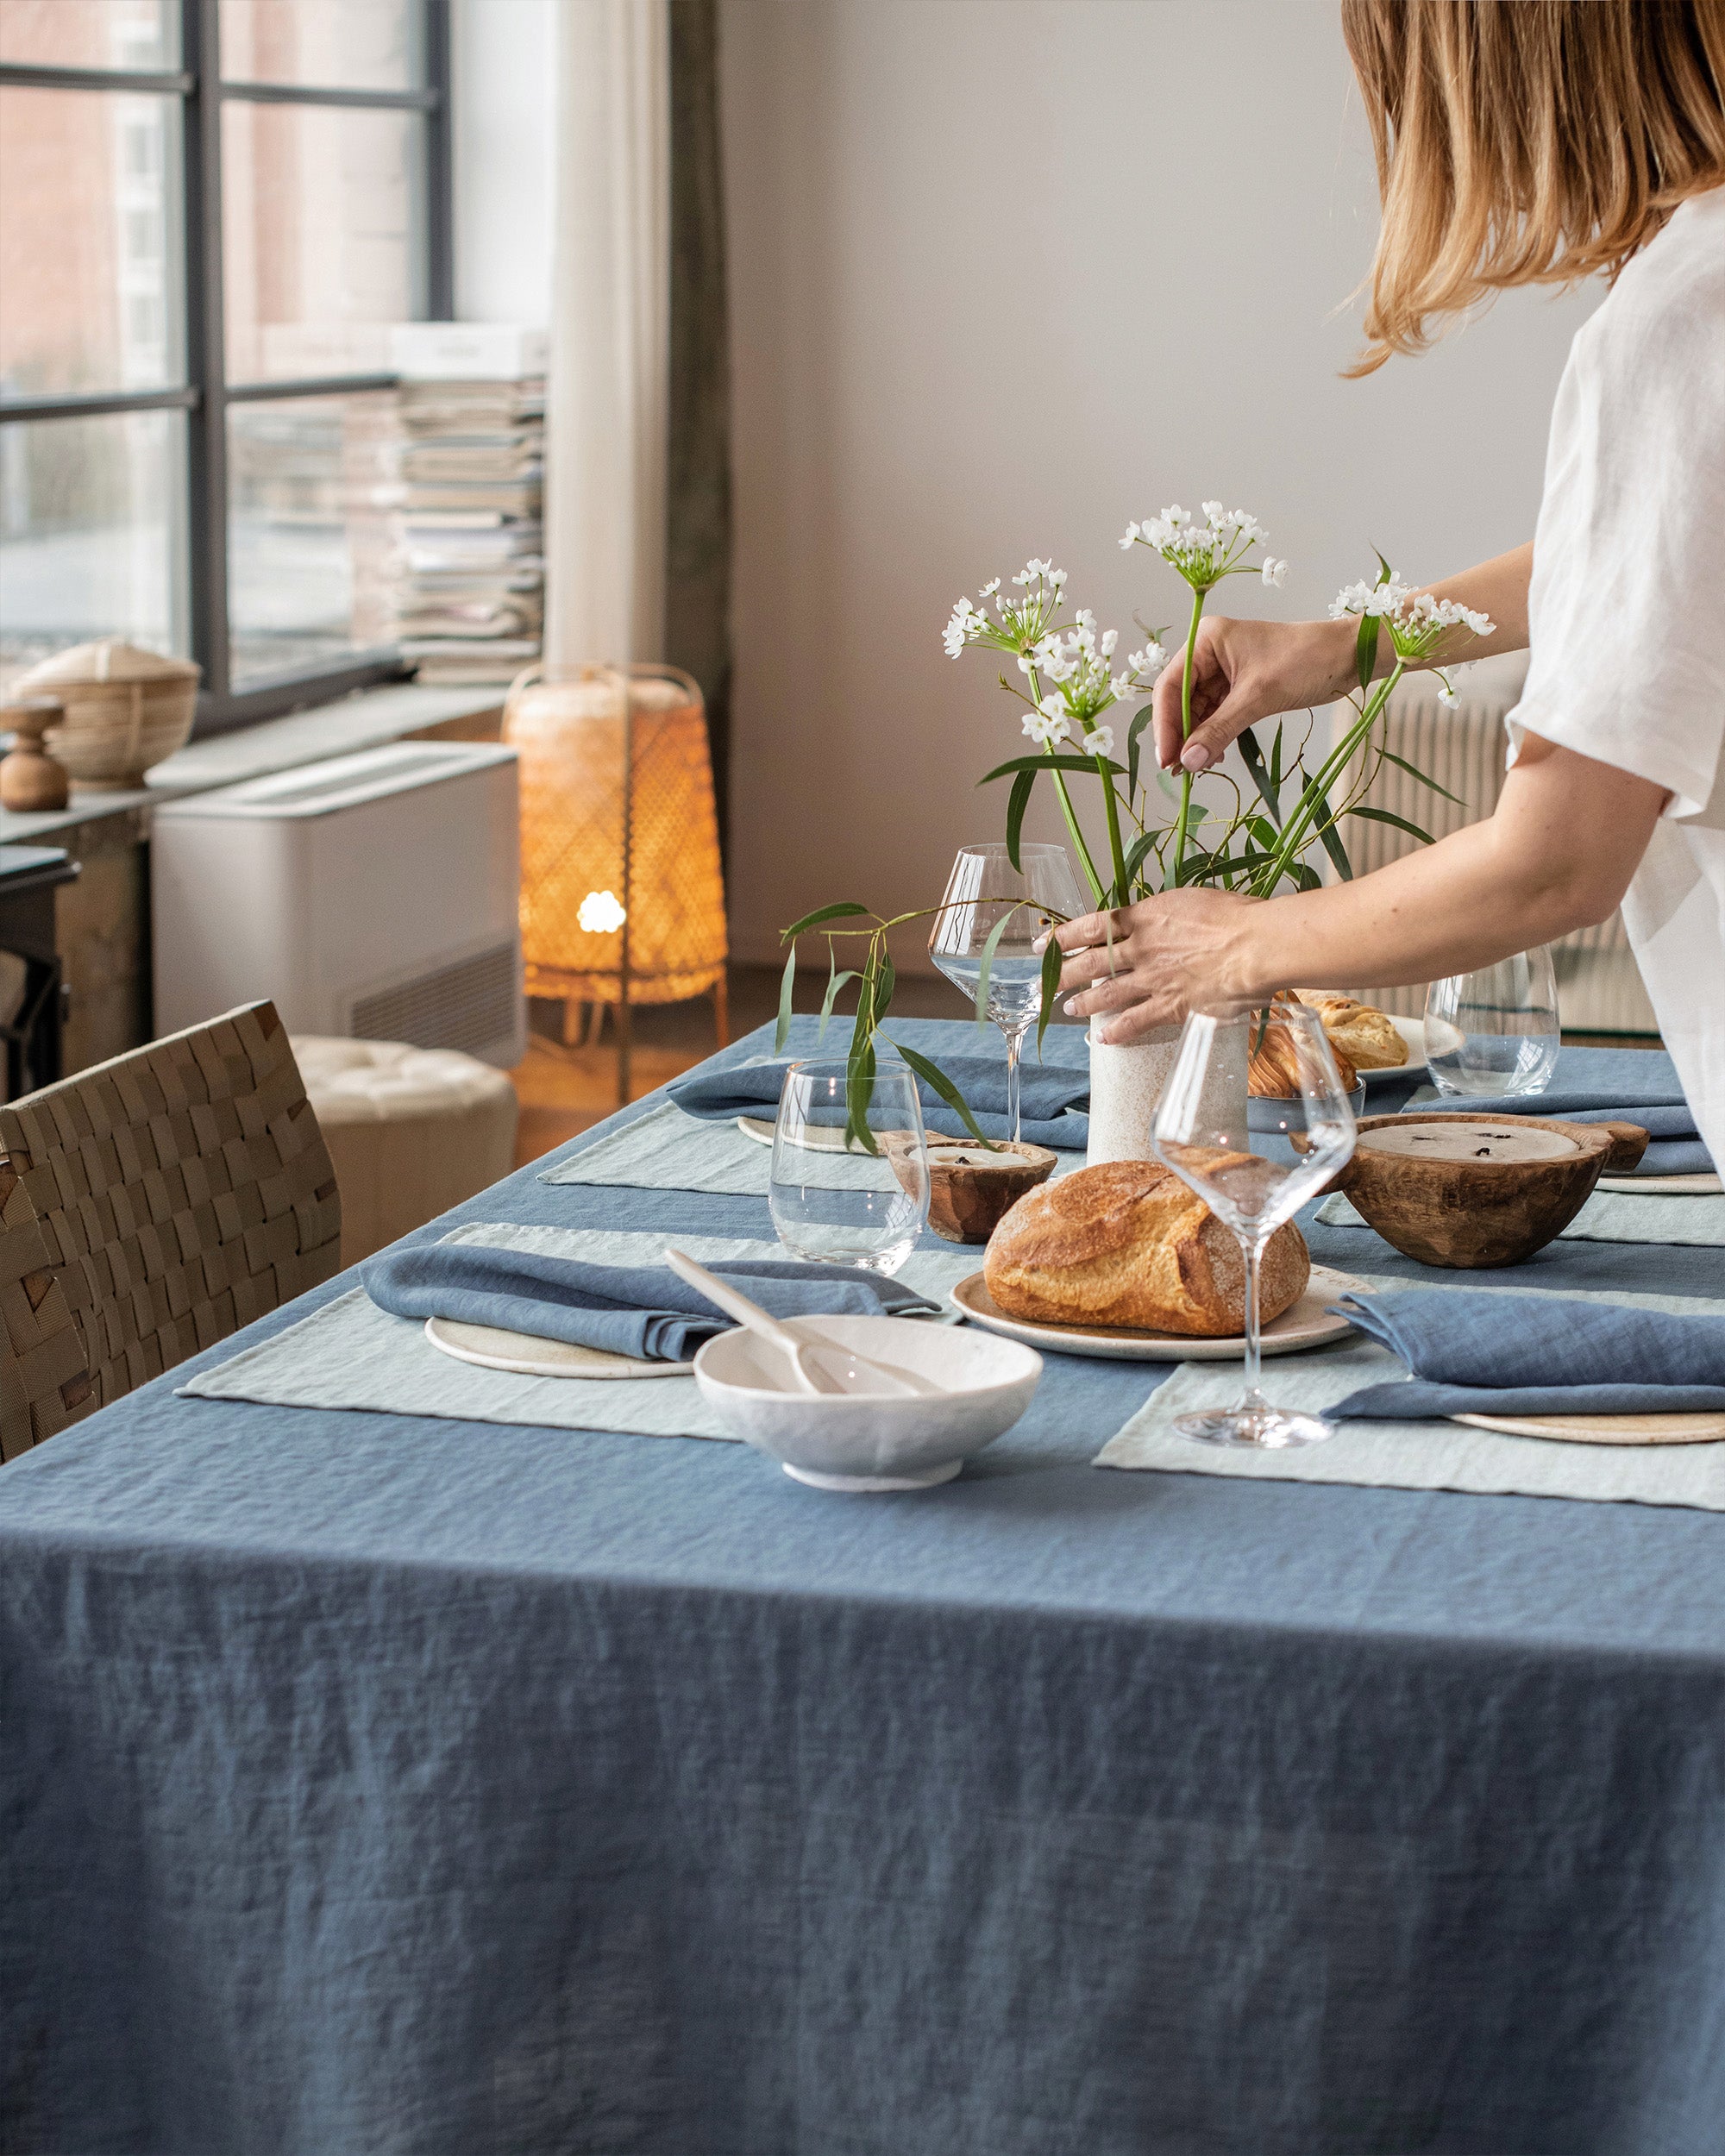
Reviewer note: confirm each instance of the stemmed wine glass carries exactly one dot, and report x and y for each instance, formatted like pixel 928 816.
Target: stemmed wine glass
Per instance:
pixel 1200 1131
pixel 982 889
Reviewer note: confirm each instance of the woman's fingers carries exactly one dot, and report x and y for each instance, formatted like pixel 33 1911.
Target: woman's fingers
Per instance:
pixel 1209 688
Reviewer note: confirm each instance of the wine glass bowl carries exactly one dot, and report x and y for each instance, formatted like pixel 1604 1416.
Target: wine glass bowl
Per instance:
pixel 1204 1133
pixel 986 893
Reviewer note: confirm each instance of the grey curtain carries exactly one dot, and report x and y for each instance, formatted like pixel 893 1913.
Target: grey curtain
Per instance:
pixel 698 477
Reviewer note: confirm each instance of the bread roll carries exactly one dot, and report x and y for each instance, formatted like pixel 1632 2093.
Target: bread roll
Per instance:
pixel 1273 1072
pixel 1359 1031
pixel 1128 1243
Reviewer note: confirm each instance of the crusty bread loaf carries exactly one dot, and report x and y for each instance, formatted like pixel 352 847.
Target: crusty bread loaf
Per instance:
pixel 1128 1243
pixel 1359 1031
pixel 1273 1072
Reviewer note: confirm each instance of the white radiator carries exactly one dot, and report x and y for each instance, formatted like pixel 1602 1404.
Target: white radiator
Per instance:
pixel 374 896
pixel 1599 985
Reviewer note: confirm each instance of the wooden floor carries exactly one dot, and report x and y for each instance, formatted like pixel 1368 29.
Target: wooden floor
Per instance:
pixel 563 1091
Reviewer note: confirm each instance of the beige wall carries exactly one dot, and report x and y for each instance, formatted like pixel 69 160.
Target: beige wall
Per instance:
pixel 1004 274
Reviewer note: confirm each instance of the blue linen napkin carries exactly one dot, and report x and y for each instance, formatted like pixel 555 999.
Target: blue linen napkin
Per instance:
pixel 1472 1351
pixel 1055 1098
pixel 1674 1147
pixel 640 1310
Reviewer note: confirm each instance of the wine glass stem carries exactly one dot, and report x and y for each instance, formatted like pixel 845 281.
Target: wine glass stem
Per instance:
pixel 1015 1043
pixel 1254 1359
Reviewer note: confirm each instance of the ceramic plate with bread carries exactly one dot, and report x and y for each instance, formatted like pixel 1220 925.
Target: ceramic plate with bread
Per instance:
pixel 1124 1259
pixel 1376 1044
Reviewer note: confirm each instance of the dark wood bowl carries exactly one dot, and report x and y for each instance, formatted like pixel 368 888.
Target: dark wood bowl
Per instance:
pixel 971 1189
pixel 1491 1203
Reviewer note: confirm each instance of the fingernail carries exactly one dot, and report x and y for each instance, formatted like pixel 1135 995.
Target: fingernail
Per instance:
pixel 1195 757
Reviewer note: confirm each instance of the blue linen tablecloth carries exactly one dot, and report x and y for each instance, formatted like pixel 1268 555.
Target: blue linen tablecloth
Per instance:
pixel 1054 1092
pixel 386 1783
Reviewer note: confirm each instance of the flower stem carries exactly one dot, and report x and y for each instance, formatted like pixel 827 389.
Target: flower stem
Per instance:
pixel 1180 828
pixel 1298 830
pixel 1059 778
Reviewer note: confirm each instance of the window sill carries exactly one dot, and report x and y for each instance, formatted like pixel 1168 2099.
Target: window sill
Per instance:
pixel 365 721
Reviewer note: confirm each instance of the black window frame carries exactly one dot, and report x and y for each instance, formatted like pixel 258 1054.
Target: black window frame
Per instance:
pixel 206 394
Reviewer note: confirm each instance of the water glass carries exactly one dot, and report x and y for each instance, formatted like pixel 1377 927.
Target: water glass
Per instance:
pixel 1200 1131
pixel 983 891
pixel 1495 1031
pixel 831 1198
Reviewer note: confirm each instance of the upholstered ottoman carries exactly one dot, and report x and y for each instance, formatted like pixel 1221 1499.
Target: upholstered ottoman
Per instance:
pixel 411 1130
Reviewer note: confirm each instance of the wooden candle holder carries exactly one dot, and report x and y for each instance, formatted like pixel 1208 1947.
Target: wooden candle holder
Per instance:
pixel 32 781
pixel 1468 1191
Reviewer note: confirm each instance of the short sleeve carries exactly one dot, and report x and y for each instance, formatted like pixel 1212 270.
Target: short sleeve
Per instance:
pixel 1626 608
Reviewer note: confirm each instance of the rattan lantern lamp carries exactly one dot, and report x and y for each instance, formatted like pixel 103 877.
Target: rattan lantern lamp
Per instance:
pixel 622 895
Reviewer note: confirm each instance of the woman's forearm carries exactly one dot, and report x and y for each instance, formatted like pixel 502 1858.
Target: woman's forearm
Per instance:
pixel 1558 855
pixel 1498 588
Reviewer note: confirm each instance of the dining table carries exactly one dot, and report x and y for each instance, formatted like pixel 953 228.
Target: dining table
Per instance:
pixel 399 1781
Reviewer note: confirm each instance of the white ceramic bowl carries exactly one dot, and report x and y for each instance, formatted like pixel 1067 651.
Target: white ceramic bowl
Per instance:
pixel 872 1441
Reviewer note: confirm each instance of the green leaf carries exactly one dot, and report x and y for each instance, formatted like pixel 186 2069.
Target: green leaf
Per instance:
pixel 938 1082
pixel 1331 840
pixel 989 950
pixel 843 910
pixel 1138 853
pixel 1023 786
pixel 1052 959
pixel 1366 649
pixel 1402 763
pixel 783 1031
pixel 1133 731
pixel 886 980
pixel 1252 756
pixel 1395 823
pixel 1053 763
pixel 834 984
pixel 859 1091
pixel 1276 761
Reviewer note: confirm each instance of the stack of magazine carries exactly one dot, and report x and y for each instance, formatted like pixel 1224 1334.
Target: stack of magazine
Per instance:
pixel 468 568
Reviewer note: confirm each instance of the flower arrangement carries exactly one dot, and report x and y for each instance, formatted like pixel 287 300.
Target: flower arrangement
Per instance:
pixel 1163 840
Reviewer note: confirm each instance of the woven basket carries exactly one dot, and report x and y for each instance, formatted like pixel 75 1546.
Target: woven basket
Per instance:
pixel 125 709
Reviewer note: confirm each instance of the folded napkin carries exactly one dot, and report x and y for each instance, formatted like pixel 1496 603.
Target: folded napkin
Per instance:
pixel 1471 1351
pixel 1674 1145
pixel 640 1310
pixel 1055 1098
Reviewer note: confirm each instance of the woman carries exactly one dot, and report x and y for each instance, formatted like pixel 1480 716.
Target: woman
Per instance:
pixel 1521 141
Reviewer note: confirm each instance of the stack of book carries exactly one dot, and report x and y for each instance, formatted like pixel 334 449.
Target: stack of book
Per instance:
pixel 468 570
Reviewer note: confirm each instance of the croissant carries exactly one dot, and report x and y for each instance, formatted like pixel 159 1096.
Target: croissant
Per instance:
pixel 1274 1071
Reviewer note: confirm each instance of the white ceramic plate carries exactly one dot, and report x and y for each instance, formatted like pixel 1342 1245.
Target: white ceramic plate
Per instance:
pixel 1704 1184
pixel 1307 1325
pixel 816 1139
pixel 530 1358
pixel 1606 1429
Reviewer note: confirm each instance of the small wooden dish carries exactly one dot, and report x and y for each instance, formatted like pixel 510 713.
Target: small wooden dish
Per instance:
pixel 971 1190
pixel 1467 1190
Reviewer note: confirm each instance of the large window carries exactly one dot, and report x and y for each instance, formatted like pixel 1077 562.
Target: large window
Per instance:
pixel 210 211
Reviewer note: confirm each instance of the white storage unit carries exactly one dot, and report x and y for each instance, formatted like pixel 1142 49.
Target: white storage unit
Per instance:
pixel 374 896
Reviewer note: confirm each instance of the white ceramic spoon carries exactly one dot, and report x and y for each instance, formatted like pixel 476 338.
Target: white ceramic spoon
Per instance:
pixel 820 1367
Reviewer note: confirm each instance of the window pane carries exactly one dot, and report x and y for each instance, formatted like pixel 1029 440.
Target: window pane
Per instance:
pixel 321 211
pixel 333 44
pixel 142 34
pixel 92 534
pixel 308 531
pixel 90 224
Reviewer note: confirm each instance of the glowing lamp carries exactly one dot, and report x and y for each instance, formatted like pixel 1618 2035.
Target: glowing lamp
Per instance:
pixel 622 898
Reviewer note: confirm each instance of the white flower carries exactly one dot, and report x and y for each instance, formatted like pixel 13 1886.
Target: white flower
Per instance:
pixel 1274 572
pixel 1213 512
pixel 1100 741
pixel 989 589
pixel 1130 539
pixel 1110 638
pixel 1143 666
pixel 1446 693
pixel 1045 726
pixel 964 628
pixel 1416 621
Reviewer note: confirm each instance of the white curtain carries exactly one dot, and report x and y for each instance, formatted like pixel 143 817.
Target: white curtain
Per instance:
pixel 609 389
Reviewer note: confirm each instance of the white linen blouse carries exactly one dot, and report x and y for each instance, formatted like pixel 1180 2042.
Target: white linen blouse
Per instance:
pixel 1627 610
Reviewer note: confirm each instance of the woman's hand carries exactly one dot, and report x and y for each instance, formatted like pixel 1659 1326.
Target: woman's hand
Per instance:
pixel 1243 671
pixel 1155 961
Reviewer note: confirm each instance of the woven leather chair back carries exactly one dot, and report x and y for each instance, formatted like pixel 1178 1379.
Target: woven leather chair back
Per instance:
pixel 148 1207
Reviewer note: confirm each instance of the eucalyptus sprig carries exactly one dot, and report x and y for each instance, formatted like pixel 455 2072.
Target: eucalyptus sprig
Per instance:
pixel 878 980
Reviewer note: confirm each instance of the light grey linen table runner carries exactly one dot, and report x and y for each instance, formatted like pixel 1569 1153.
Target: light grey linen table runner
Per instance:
pixel 666 1149
pixel 1416 1455
pixel 351 1354
pixel 1608 1216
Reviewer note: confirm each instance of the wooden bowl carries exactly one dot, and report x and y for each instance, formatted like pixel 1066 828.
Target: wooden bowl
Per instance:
pixel 970 1189
pixel 1468 1191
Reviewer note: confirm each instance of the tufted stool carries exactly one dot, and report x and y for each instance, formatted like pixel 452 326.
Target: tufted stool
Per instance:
pixel 411 1131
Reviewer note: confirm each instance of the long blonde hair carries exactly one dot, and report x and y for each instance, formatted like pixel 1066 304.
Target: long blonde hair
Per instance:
pixel 1526 142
